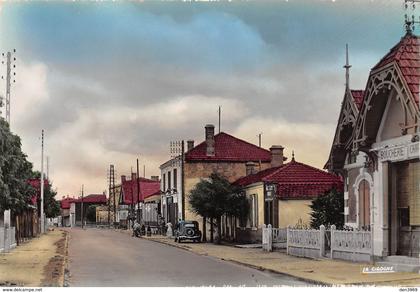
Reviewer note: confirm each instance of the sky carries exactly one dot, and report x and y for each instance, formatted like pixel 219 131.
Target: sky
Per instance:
pixel 114 81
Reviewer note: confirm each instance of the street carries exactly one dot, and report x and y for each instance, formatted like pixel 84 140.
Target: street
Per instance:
pixel 101 257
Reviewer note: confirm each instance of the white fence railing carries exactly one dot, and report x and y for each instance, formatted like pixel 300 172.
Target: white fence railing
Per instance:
pixel 351 245
pixel 273 237
pixel 306 242
pixel 7 239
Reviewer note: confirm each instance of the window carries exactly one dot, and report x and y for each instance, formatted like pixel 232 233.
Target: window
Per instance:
pixel 253 212
pixel 164 183
pixel 169 180
pixel 175 178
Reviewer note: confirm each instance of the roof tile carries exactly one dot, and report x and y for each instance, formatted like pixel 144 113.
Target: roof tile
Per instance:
pixel 229 148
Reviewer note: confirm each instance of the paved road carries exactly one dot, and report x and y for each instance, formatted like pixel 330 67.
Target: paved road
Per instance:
pixel 100 257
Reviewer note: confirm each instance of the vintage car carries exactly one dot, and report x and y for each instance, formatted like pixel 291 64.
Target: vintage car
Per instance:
pixel 187 230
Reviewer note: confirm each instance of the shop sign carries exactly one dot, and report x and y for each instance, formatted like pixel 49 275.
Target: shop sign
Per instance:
pixel 399 153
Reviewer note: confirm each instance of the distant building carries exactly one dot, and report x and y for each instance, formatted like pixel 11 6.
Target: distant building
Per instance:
pixel 147 199
pixel 83 204
pixel 67 217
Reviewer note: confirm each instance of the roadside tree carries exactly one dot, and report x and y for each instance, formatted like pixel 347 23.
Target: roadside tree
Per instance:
pixel 214 197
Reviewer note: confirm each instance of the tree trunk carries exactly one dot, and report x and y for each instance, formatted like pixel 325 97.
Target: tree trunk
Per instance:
pixel 204 230
pixel 211 229
pixel 219 226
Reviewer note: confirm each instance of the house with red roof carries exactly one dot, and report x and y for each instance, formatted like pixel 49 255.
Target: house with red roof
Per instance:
pixel 376 151
pixel 80 207
pixel 228 156
pixel 141 195
pixel 282 196
pixel 66 212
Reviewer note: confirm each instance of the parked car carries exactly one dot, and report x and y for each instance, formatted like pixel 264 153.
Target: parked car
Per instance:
pixel 187 230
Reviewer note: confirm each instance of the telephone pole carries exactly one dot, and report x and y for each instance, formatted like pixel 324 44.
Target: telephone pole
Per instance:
pixel 42 183
pixel 111 181
pixel 10 63
pixel 138 193
pixel 220 117
pixel 82 208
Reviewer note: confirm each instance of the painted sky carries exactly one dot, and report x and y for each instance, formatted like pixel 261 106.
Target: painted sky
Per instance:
pixel 113 81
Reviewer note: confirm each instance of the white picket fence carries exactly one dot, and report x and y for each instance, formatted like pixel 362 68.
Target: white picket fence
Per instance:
pixel 306 242
pixel 7 239
pixel 273 237
pixel 351 245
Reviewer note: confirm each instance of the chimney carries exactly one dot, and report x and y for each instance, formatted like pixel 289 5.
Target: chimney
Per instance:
pixel 133 176
pixel 210 140
pixel 190 145
pixel 250 168
pixel 154 177
pixel 123 178
pixel 276 155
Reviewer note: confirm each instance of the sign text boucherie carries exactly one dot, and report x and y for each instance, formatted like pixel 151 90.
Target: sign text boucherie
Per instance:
pixel 399 153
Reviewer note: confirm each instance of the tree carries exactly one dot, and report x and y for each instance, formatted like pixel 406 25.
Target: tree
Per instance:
pixel 328 209
pixel 15 170
pixel 216 197
pixel 51 206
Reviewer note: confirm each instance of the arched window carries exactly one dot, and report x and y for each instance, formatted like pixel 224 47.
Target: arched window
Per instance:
pixel 364 203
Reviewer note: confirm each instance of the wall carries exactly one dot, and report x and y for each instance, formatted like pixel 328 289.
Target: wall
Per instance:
pixel 291 211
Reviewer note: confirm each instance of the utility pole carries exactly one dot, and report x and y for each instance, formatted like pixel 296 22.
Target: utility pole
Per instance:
pixel 82 208
pixel 138 193
pixel 48 167
pixel 220 117
pixel 111 181
pixel 9 64
pixel 42 183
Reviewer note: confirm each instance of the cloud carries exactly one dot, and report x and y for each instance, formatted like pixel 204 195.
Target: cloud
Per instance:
pixel 110 83
pixel 311 142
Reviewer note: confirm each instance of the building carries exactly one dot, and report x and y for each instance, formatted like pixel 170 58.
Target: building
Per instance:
pixel 282 196
pixel 228 156
pixel 83 204
pixel 65 212
pixel 376 151
pixel 172 188
pixel 140 197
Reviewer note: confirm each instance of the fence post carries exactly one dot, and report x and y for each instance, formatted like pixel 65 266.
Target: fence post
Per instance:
pixel 287 239
pixel 264 237
pixel 332 241
pixel 270 237
pixel 322 241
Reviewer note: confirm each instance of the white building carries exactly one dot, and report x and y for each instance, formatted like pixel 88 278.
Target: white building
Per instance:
pixel 376 150
pixel 172 188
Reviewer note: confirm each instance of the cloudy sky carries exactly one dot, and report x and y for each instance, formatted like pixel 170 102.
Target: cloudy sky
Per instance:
pixel 110 82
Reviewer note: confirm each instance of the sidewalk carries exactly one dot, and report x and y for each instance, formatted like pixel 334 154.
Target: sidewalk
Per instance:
pixel 322 271
pixel 37 262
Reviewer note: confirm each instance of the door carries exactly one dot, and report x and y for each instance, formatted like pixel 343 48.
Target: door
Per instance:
pixel 364 204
